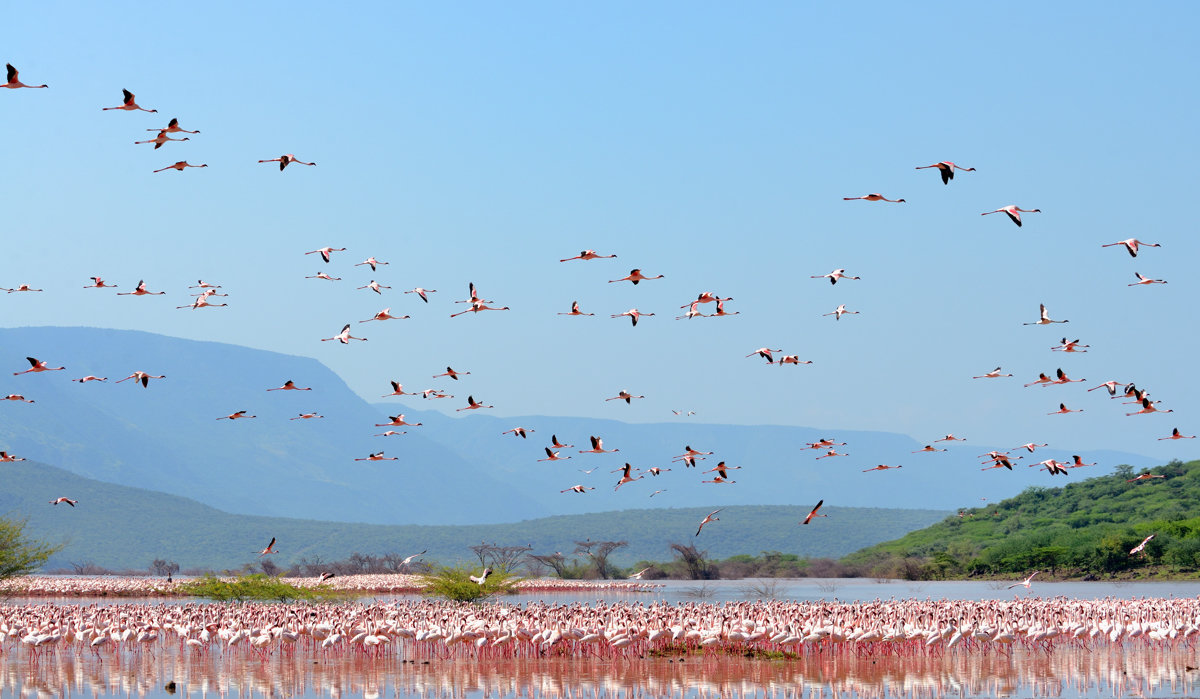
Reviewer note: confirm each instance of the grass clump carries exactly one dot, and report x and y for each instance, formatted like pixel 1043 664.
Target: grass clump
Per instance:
pixel 455 584
pixel 256 587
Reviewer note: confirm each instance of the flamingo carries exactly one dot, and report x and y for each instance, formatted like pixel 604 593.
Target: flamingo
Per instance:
pixel 160 139
pixel 173 127
pixel 831 453
pixel 839 312
pixel 201 284
pixel 385 314
pixel 949 438
pixel 721 312
pixel 657 492
pixel 129 105
pixel 1051 465
pixel 993 374
pixel 874 197
pixel 765 353
pixel 434 393
pixel 635 276
pixel 473 405
pixel 1030 447
pixel 1062 378
pixel 1024 583
pixel 1149 406
pixel 17 397
pixel 398 421
pixel 1077 462
pixel 793 359
pixel 834 276
pixel 22 287
pixel 423 293
pixel 37 366
pixel 1014 213
pixel 477 306
pixel 553 456
pixel 1175 434
pixel 1142 546
pixel 89 377
pixel 289 385
pixel 1071 346
pixel 1144 477
pixel 98 283
pixel 946 170
pixel 638 575
pixel 237 416
pixel 881 467
pixel 633 314
pixel 322 275
pixel 378 456
pixel 709 518
pixel 397 390
pixel 311 416
pixel 598 447
pixel 269 549
pixel 1063 410
pixel 415 556
pixel 202 302
pixel 474 295
pixel 927 447
pixel 576 489
pixel 371 262
pixel 587 255
pixel 656 471
pixel 324 252
pixel 374 286
pixel 344 336
pixel 1044 318
pixel 1041 379
pixel 452 374
pixel 140 290
pixel 1132 245
pixel 68 501
pixel 575 311
pixel 521 432
pixel 1111 386
pixel 481 577
pixel 722 473
pixel 14 81
pixel 625 396
pixel 387 433
pixel 143 377
pixel 814 514
pixel 1145 280
pixel 689 451
pixel 179 166
pixel 7 458
pixel 285 160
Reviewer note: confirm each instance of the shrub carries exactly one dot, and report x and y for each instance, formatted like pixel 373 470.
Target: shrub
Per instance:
pixel 256 587
pixel 455 584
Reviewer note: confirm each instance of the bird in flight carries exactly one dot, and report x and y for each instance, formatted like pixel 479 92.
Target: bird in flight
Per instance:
pixel 410 559
pixel 89 377
pixel 98 283
pixel 626 476
pixel 1142 546
pixel 422 292
pixel 179 166
pixel 1013 212
pixel 834 276
pixel 143 377
pixel 638 575
pixel 344 336
pixel 633 314
pixel 68 501
pixel 289 385
pixel 635 276
pixel 575 311
pixel 397 421
pixel 765 353
pixel 481 577
pixel 1144 477
pixel 519 432
pixel 284 161
pixel 1063 410
pixel 1175 434
pixel 1044 318
pixel 587 255
pixel 372 262
pixel 324 252
pixel 311 416
pixel 129 104
pixel 160 139
pixel 269 549
pixel 397 390
pixel 946 170
pixel 881 467
pixel 993 374
pixel 623 395
pixel 1026 583
pixel 374 286
pixel 452 374
pixel 378 456
pixel 553 456
pixel 1070 346
pixel 1143 280
pixel 140 290
pixel 14 81
pixel 927 447
pixel 237 416
pixel 17 397
pixel 22 287
pixel 37 366
pixel 814 514
pixel 173 127
pixel 576 489
pixel 707 520
pixel 1132 245
pixel 874 197
pixel 7 458
pixel 385 314
pixel 840 311
pixel 473 405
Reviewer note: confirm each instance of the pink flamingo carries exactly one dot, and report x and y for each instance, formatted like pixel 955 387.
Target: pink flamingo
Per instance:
pixel 285 160
pixel 834 276
pixel 472 404
pixel 1142 280
pixel 98 283
pixel 587 255
pixel 623 395
pixel 237 416
pixel 324 252
pixel 385 314
pixel 398 421
pixel 553 456
pixel 397 390
pixel 269 549
pixel 160 139
pixel 764 353
pixel 1175 434
pixel 626 477
pixel 633 314
pixel 598 447
pixel 1132 245
pixel 423 293
pixel 289 385
pixel 874 197
pixel 37 366
pixel 344 336
pixel 813 514
pixel 1063 410
pixel 575 311
pixel 14 81
pixel 1044 318
pixel 179 166
pixel 710 518
pixel 67 501
pixel 142 377
pixel 575 488
pixel 378 456
pixel 993 374
pixel 635 276
pixel 452 374
pixel 1014 213
pixel 372 262
pixel 129 105
pixel 173 127
pixel 946 170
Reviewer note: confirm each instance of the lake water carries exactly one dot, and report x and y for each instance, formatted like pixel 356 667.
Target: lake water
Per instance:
pixel 1135 670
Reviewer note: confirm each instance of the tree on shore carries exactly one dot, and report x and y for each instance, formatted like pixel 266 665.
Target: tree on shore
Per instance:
pixel 20 555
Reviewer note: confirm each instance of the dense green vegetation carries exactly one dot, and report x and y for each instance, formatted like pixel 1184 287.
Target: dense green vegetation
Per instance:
pixel 255 587
pixel 20 555
pixel 1080 529
pixel 455 584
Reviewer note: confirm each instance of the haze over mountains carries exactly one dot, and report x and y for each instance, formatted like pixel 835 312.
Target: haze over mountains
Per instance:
pixel 450 470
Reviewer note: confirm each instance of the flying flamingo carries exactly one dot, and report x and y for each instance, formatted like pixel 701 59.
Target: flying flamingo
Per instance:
pixel 322 275
pixel 1077 462
pixel 398 421
pixel 22 287
pixel 1014 213
pixel 1148 406
pixel 587 255
pixel 881 467
pixel 623 395
pixel 598 447
pixel 1142 281
pixel 481 578
pixel 1175 434
pixel 708 519
pixel 521 432
pixel 37 366
pixel 129 105
pixel 1031 446
pixel 269 549
pixel 834 276
pixel 1071 346
pixel 1132 245
pixel 635 276
pixel 1111 386
pixel 993 374
pixel 576 489
pixel 1144 477
pixel 946 170
pixel 179 166
pixel 17 397
pixel 764 353
pixel 237 416
pixel 374 286
pixel 397 390
pixel 160 139
pixel 626 477
pixel 473 405
pixel 656 471
pixel 474 295
pixel 9 458
pixel 285 160
pixel 202 302
pixel 813 514
pixel 1142 546
pixel 722 474
pixel 289 385
pixel 638 575
pixel 1062 378
pixel 68 501
pixel 378 456
pixel 1063 410
pixel 575 311
pixel 140 290
pixel 325 252
pixel 98 283
pixel 1024 583
pixel 372 262
pixel 452 374
pixel 143 377
pixel 312 416
pixel 477 306
pixel 874 197
pixel 385 314
pixel 90 378
pixel 949 438
pixel 387 433
pixel 839 312
pixel 553 456
pixel 657 492
pixel 721 312
pixel 13 81
pixel 201 284
pixel 1041 379
pixel 1051 465
pixel 344 336
pixel 927 447
pixel 689 451
pixel 423 293
pixel 1045 317
pixel 793 359
pixel 633 314
pixel 555 444
pixel 173 127
pixel 830 453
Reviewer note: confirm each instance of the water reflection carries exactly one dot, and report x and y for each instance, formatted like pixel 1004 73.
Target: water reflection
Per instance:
pixel 1151 671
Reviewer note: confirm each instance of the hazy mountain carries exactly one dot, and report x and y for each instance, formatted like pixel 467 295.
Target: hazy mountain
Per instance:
pixel 122 527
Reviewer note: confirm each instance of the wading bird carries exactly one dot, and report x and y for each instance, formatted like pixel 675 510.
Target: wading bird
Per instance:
pixel 633 314
pixel 385 314
pixel 473 405
pixel 173 127
pixel 576 489
pixel 397 390
pixel 179 166
pixel 89 377
pixel 519 432
pixel 874 197
pixel 1044 318
pixel 587 255
pixel 289 385
pixel 881 467
pixel 160 139
pixel 1132 245
pixel 1142 280
pixel 764 353
pixel 1175 434
pixel 1142 546
pixel 37 366
pixel 98 283
pixel 624 395
pixel 1013 212
pixel 839 312
pixel 993 374
pixel 834 276
pixel 140 290
pixel 142 377
pixel 13 79
pixel 397 421
pixel 314 416
pixel 452 374
pixel 269 549
pixel 324 252
pixel 1063 410
pixel 344 336
pixel 285 160
pixel 707 520
pixel 1070 346
pixel 481 578
pixel 813 514
pixel 237 416
pixel 17 397
pixel 1144 477
pixel 129 104
pixel 378 456
pixel 68 501
pixel 635 276
pixel 1024 583
pixel 553 456
pixel 946 170
pixel 7 458
pixel 598 447
pixel 371 262
pixel 575 311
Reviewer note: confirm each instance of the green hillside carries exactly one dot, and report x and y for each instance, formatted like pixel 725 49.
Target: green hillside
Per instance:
pixel 1082 528
pixel 121 527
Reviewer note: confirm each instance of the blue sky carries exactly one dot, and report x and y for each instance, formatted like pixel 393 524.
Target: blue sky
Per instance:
pixel 706 142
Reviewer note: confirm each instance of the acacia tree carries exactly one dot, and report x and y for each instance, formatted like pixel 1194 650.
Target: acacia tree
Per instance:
pixel 694 560
pixel 598 552
pixel 20 555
